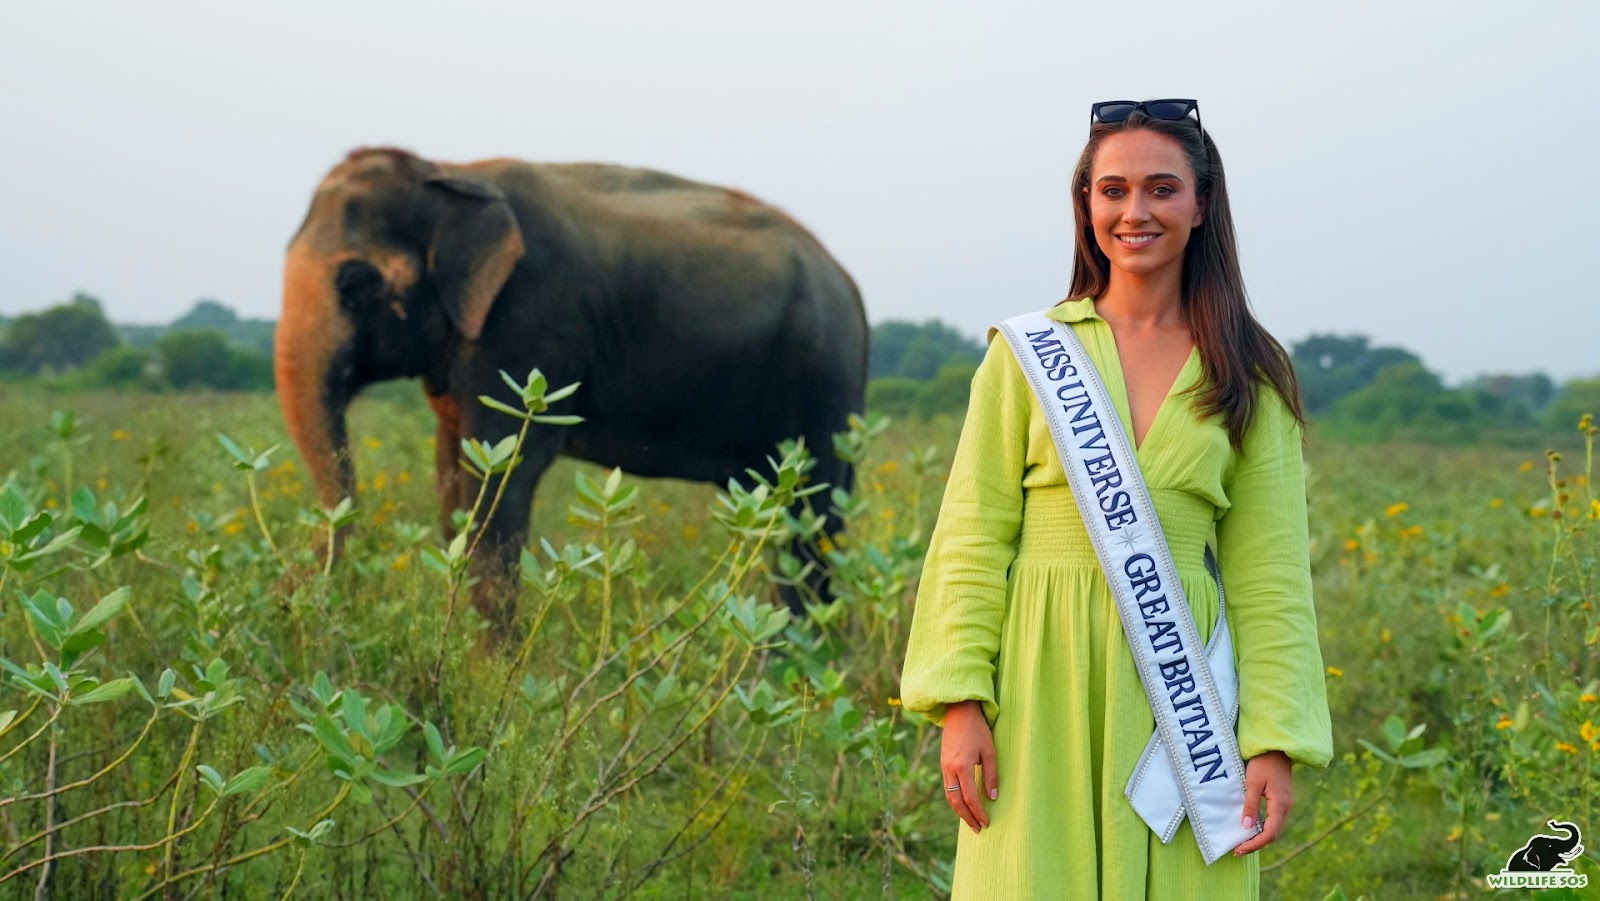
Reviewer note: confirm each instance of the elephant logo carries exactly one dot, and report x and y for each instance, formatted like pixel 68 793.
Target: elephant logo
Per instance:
pixel 1544 861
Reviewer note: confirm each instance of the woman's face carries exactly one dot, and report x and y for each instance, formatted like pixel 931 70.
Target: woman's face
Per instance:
pixel 1142 202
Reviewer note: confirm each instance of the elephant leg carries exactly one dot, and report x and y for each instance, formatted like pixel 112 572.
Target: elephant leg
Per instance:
pixel 449 482
pixel 505 523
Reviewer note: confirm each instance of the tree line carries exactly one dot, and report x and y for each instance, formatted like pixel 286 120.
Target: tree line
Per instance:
pixel 74 346
pixel 1351 388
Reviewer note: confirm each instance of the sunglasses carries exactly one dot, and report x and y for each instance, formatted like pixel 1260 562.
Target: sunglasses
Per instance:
pixel 1170 109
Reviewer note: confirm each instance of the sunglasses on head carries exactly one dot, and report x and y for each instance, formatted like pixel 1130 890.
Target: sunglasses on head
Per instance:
pixel 1170 109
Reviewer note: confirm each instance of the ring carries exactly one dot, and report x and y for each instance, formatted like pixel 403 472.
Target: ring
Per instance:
pixel 952 788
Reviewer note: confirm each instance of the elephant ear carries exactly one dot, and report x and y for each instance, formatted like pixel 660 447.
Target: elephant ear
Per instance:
pixel 475 245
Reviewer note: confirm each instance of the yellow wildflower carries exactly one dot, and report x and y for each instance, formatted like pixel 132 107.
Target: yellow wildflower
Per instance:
pixel 1335 671
pixel 1492 817
pixel 1396 509
pixel 1539 512
pixel 1588 731
pixel 888 467
pixel 101 484
pixel 374 443
pixel 894 702
pixel 405 478
pixel 663 508
pixel 1500 590
pixel 1505 722
pixel 1585 421
pixel 380 481
pixel 1527 466
pixel 233 528
pixel 1496 503
pixel 1580 480
pixel 1352 544
pixel 1454 836
pixel 401 562
pixel 1587 698
pixel 1566 746
pixel 1384 636
pixel 1594 508
pixel 1369 556
pixel 690 533
pixel 1411 532
pixel 824 544
pixel 193 527
pixel 888 513
pixel 119 435
pixel 50 503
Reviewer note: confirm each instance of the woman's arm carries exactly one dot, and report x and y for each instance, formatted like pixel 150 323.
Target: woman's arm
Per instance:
pixel 1263 548
pixel 961 600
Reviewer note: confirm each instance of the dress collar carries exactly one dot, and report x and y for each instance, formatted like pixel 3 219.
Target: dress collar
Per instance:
pixel 1073 310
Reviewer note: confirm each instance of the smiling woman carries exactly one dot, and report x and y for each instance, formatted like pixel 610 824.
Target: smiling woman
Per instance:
pixel 1018 646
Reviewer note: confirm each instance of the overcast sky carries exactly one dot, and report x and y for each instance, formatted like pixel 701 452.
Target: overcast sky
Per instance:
pixel 1423 173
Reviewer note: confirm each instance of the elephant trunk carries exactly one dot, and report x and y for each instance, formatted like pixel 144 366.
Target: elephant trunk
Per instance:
pixel 1571 840
pixel 311 367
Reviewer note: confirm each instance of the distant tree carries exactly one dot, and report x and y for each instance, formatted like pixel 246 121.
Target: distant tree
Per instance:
pixel 1332 366
pixel 203 358
pixel 125 367
pixel 1405 400
pixel 206 313
pixel 63 337
pixel 910 350
pixel 1512 400
pixel 1577 397
pixel 946 392
pixel 893 396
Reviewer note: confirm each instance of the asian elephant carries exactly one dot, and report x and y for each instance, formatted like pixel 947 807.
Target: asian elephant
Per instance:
pixel 704 325
pixel 1543 853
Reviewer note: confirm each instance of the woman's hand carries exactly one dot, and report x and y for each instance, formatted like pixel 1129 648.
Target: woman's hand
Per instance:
pixel 1269 775
pixel 966 742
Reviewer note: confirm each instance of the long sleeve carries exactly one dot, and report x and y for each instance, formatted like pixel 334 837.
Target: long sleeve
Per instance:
pixel 1263 548
pixel 961 600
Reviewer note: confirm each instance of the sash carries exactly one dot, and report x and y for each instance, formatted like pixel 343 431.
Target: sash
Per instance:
pixel 1192 764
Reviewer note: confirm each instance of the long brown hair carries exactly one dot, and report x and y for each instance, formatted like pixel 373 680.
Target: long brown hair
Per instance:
pixel 1234 349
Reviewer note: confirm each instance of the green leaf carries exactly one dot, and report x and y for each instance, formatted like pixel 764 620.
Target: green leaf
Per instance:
pixel 430 732
pixel 109 606
pixel 13 510
pixel 393 779
pixel 1424 759
pixel 110 691
pixel 493 404
pixel 56 545
pixel 1394 731
pixel 241 459
pixel 247 781
pixel 1376 752
pixel 464 762
pixel 8 716
pixel 355 714
pixel 210 777
pixel 164 686
pixel 333 741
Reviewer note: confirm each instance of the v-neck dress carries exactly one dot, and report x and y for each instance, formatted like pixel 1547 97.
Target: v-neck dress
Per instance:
pixel 1014 611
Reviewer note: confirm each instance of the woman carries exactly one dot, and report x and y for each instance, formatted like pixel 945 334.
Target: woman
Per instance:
pixel 1016 648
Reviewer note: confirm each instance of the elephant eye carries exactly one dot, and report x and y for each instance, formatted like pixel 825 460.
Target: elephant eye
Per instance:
pixel 358 282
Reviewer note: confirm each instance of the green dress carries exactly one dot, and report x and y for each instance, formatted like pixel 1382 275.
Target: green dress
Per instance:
pixel 1014 611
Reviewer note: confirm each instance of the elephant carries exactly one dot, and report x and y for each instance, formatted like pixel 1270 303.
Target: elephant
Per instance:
pixel 704 325
pixel 1544 853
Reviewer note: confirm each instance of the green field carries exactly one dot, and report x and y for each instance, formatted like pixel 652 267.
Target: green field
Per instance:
pixel 653 727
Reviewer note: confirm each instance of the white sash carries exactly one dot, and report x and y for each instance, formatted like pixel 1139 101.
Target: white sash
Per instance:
pixel 1201 774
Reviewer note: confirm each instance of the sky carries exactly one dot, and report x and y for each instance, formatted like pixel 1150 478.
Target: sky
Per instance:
pixel 1421 173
